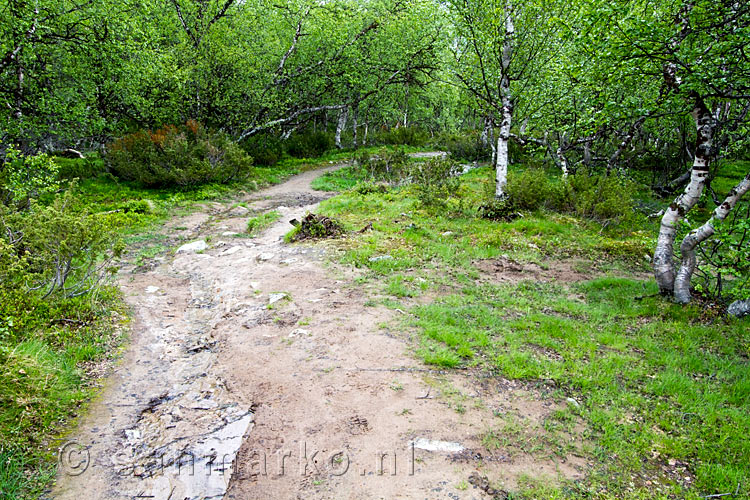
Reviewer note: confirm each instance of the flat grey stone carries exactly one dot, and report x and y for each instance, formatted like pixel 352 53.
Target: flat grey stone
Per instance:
pixel 195 246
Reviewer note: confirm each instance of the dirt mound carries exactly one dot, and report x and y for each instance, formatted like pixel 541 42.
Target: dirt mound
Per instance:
pixel 315 226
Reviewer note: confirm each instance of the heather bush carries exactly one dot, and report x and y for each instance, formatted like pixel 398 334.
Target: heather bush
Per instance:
pixel 186 155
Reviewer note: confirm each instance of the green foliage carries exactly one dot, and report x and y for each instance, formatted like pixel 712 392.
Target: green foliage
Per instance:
pixel 403 136
pixel 265 149
pixel 69 250
pixel 435 180
pixel 600 197
pixel 26 177
pixel 498 209
pixel 369 187
pixel 389 166
pixel 724 262
pixel 308 144
pixel 78 168
pixel 465 146
pixel 183 156
pixel 529 189
pixel 605 198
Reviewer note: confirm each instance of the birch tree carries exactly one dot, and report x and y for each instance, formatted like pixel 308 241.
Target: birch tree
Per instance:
pixel 500 49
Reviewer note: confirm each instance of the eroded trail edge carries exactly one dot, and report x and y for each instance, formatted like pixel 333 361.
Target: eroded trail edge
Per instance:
pixel 256 371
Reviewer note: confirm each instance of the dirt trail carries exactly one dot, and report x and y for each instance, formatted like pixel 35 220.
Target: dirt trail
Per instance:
pixel 223 394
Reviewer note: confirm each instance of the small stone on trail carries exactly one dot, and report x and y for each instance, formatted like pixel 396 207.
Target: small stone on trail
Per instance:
pixel 265 256
pixel 152 289
pixel 299 332
pixel 238 211
pixel 195 246
pixel 231 251
pixel 275 297
pixel 432 445
pixel 229 233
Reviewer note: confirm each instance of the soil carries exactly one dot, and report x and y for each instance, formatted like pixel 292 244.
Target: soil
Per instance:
pixel 257 369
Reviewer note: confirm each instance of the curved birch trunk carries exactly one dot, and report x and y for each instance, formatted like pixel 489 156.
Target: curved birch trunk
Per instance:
pixel 664 271
pixel 343 115
pixel 501 155
pixel 697 236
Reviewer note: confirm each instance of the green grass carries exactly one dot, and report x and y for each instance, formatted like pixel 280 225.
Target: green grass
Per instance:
pixel 257 224
pixel 338 180
pixel 43 385
pixel 657 383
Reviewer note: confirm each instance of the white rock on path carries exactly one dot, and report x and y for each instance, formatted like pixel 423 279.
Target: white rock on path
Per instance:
pixel 265 256
pixel 232 251
pixel 432 445
pixel 195 246
pixel 275 297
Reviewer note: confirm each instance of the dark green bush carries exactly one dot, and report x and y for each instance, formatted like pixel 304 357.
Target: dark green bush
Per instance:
pixel 724 264
pixel 309 144
pixel 599 197
pixel 465 146
pixel 529 189
pixel 498 209
pixel 369 187
pixel 265 149
pixel 391 166
pixel 183 156
pixel 436 180
pixel 606 198
pixel 80 168
pixel 403 136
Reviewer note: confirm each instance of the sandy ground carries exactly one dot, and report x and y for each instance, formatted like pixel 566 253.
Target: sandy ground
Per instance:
pixel 257 371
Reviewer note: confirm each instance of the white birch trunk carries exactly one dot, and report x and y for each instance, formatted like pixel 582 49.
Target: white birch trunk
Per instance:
pixel 664 270
pixel 563 162
pixel 501 155
pixel 343 115
pixel 697 236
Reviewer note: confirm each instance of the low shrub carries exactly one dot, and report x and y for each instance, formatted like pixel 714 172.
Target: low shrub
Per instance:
pixel 723 271
pixel 184 156
pixel 605 198
pixel 63 249
pixel 466 146
pixel 436 180
pixel 529 189
pixel 369 187
pixel 391 166
pixel 265 149
pixel 308 144
pixel 498 209
pixel 80 168
pixel 403 136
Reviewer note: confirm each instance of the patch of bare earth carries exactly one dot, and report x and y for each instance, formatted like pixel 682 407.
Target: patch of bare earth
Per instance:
pixel 255 371
pixel 506 270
